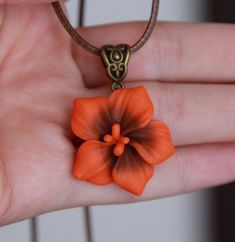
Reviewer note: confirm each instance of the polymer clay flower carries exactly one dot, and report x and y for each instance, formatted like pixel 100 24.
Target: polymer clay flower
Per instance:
pixel 122 142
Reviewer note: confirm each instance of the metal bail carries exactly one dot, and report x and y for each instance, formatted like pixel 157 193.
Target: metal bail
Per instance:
pixel 116 59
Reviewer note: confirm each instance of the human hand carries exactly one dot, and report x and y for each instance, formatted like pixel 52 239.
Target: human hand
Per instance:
pixel 188 70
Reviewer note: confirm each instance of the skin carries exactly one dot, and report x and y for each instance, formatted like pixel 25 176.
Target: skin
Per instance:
pixel 188 70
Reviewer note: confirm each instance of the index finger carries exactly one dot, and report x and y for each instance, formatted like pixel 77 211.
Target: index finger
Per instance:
pixel 179 52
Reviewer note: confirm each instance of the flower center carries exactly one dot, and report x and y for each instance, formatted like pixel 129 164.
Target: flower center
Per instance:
pixel 117 139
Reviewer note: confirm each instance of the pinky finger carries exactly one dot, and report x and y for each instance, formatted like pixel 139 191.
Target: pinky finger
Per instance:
pixel 192 168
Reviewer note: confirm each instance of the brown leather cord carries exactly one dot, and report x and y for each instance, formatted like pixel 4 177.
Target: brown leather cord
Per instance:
pixel 95 50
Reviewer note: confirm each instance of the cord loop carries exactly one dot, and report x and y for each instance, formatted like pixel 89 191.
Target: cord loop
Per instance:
pixel 95 50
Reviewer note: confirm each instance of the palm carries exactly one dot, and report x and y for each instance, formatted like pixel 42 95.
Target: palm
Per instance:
pixel 37 89
pixel 40 77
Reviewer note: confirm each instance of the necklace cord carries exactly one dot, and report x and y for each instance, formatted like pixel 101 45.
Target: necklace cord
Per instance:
pixel 95 50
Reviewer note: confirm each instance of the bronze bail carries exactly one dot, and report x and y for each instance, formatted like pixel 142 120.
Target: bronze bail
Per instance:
pixel 115 60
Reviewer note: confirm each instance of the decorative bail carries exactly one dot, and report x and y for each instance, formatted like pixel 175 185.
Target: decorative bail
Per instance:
pixel 116 59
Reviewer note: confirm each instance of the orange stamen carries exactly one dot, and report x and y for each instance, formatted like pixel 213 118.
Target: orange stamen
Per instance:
pixel 116 130
pixel 119 149
pixel 117 140
pixel 124 140
pixel 108 138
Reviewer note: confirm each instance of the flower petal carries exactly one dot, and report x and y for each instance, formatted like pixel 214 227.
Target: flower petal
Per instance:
pixel 94 162
pixel 91 118
pixel 131 172
pixel 132 108
pixel 153 142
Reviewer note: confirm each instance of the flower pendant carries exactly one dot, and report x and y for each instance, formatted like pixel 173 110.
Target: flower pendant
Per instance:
pixel 121 141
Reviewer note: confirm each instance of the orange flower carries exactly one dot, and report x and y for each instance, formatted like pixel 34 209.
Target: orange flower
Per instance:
pixel 121 141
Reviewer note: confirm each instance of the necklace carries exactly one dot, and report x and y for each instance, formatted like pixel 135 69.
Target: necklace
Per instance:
pixel 121 142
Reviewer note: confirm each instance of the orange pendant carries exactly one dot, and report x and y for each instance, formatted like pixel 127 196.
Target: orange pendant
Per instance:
pixel 122 143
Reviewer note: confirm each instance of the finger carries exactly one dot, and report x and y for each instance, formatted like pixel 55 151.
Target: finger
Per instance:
pixel 195 113
pixel 175 52
pixel 192 168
